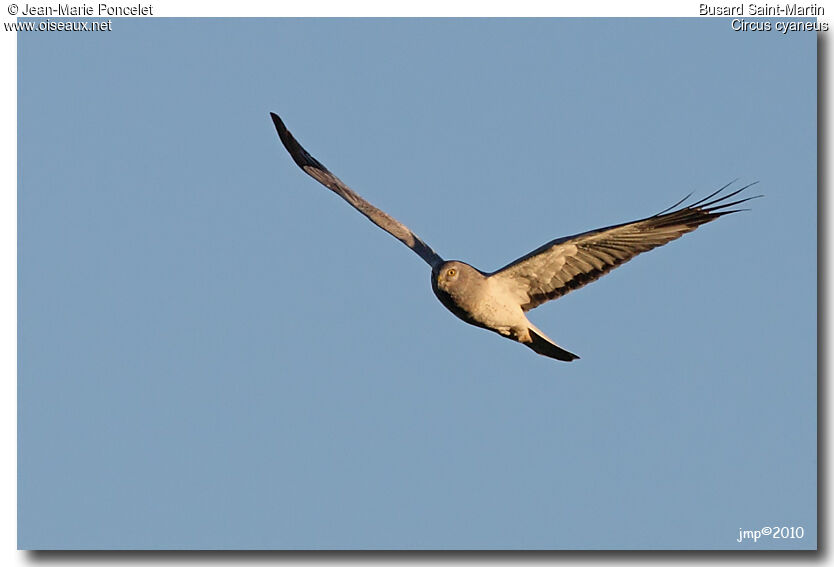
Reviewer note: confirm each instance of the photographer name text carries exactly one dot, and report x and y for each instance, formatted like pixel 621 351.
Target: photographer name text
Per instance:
pixel 90 10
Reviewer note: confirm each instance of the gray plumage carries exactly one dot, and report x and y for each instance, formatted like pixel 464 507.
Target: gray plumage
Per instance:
pixel 498 301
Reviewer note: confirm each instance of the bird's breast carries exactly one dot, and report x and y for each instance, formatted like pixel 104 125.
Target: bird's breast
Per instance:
pixel 483 306
pixel 458 305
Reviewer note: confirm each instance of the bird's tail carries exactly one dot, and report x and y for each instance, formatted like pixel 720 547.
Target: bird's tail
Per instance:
pixel 540 343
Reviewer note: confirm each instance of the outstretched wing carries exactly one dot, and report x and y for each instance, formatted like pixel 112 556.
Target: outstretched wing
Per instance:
pixel 317 171
pixel 565 264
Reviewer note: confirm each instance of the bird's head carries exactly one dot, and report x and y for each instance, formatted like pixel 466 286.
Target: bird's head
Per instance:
pixel 458 286
pixel 449 275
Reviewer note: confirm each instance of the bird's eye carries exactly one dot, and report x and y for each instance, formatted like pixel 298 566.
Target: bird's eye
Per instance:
pixel 451 272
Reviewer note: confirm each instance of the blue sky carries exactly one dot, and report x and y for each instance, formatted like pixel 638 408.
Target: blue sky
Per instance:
pixel 217 352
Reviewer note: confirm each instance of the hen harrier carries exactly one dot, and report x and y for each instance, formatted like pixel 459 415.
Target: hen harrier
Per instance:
pixel 497 301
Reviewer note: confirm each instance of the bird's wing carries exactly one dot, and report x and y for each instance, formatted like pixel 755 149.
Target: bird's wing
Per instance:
pixel 565 264
pixel 317 171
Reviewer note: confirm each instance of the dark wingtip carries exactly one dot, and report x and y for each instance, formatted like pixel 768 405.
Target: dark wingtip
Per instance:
pixel 298 153
pixel 282 130
pixel 279 124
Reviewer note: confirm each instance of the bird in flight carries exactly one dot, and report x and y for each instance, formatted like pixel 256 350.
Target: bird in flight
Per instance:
pixel 498 301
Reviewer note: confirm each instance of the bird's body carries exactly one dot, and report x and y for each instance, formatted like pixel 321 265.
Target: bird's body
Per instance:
pixel 498 301
pixel 491 303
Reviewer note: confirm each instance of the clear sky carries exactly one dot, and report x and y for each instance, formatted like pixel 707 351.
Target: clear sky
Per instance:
pixel 217 352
